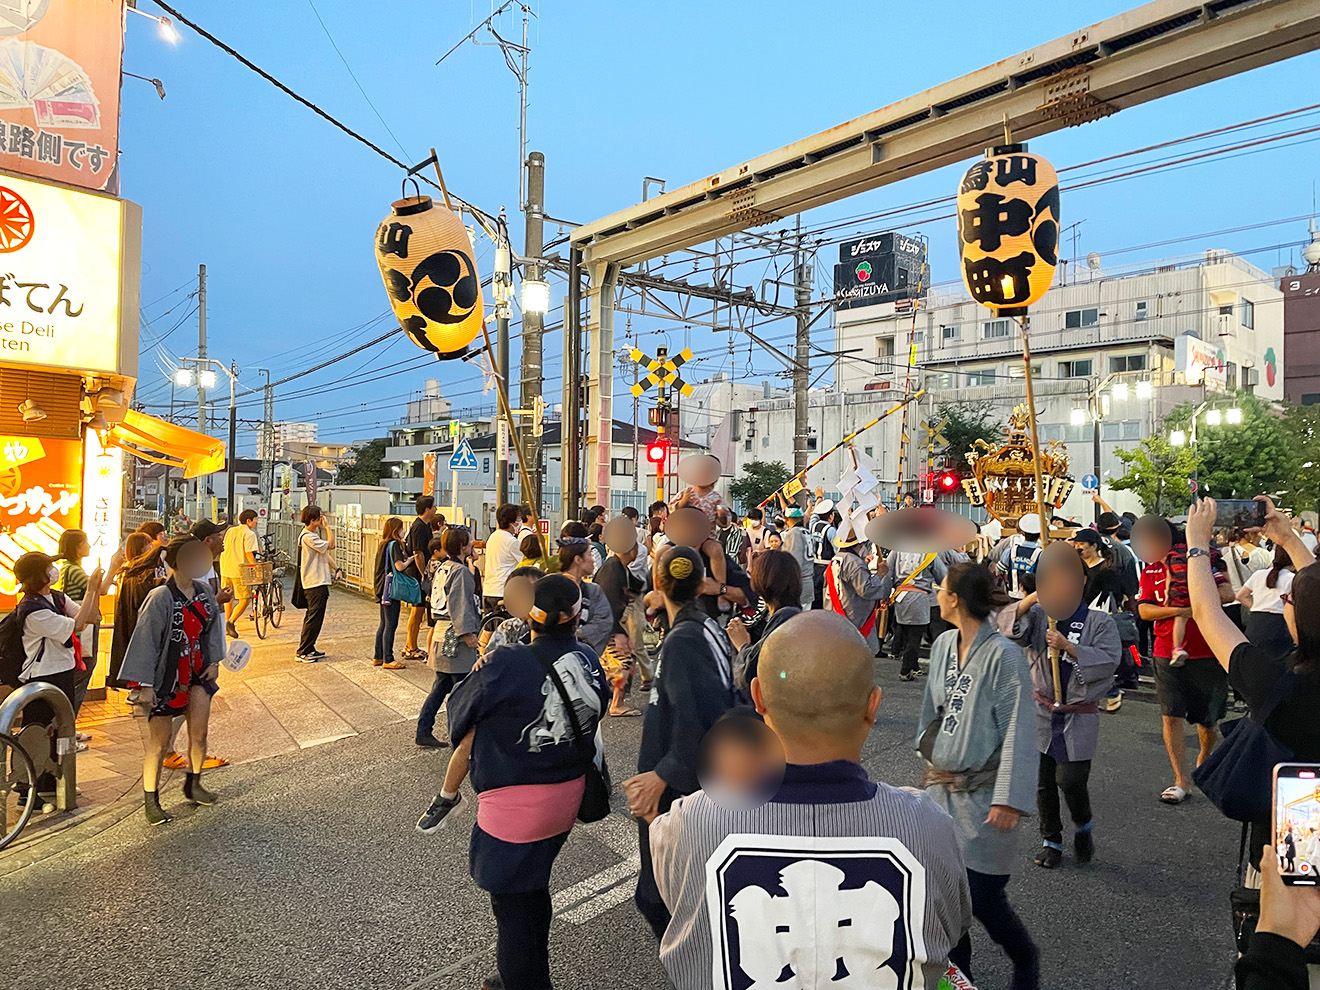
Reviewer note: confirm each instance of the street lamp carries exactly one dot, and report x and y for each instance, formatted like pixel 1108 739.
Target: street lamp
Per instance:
pixel 183 378
pixel 1078 417
pixel 1143 390
pixel 1213 417
pixel 535 296
pixel 1234 416
pixel 205 377
pixel 166 26
pixel 1178 438
pixel 1120 391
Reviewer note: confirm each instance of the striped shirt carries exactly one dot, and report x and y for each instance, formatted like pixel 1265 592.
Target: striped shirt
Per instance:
pixel 834 868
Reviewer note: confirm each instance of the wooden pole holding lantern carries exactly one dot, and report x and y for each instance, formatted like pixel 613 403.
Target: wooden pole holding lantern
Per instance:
pixel 507 414
pixel 1008 239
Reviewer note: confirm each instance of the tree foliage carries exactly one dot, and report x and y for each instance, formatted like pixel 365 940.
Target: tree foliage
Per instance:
pixel 760 480
pixel 1258 456
pixel 1302 491
pixel 367 467
pixel 967 423
pixel 1158 473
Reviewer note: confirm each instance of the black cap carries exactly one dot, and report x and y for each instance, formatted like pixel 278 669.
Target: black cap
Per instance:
pixel 1086 536
pixel 204 529
pixel 1108 522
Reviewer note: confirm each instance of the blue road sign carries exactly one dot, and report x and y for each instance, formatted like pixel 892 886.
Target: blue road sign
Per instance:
pixel 160 506
pixel 1090 483
pixel 464 459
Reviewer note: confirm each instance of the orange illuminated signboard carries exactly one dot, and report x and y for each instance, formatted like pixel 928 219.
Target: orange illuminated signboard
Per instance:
pixel 59 90
pixel 40 497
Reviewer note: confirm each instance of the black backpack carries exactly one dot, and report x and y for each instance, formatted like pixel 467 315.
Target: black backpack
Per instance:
pixel 12 655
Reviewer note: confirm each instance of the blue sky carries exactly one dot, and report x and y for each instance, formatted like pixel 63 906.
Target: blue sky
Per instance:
pixel 281 207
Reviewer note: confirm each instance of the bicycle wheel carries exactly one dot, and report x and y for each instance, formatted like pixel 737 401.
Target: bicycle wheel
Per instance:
pixel 260 609
pixel 19 779
pixel 276 604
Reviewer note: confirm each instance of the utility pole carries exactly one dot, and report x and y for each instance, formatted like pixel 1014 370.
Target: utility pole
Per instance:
pixel 169 501
pixel 230 514
pixel 533 324
pixel 267 442
pixel 570 427
pixel 503 286
pixel 802 358
pixel 201 356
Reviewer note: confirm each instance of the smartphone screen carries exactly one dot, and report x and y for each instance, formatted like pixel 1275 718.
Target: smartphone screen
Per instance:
pixel 1296 822
pixel 1239 513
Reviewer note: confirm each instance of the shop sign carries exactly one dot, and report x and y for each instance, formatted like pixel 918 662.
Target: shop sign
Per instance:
pixel 102 500
pixel 40 497
pixel 62 255
pixel 1198 360
pixel 59 90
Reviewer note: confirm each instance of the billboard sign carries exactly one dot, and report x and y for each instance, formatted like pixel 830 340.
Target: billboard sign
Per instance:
pixel 69 264
pixel 1197 360
pixel 59 90
pixel 876 245
pixel 41 483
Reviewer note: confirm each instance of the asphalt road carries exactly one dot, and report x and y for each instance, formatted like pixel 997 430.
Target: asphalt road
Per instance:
pixel 309 874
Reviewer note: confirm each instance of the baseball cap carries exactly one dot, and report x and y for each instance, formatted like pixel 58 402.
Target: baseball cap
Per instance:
pixel 204 529
pixel 1087 536
pixel 1108 522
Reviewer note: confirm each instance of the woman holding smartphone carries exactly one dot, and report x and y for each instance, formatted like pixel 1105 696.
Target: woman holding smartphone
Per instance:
pixel 1255 673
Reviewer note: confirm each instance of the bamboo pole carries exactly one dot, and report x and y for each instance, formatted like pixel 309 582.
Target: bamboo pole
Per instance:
pixel 846 440
pixel 1040 488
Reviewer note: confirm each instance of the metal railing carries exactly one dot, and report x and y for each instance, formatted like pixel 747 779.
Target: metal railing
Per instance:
pixel 64 767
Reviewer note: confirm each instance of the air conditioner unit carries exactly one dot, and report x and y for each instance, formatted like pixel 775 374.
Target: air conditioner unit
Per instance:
pixel 1251 377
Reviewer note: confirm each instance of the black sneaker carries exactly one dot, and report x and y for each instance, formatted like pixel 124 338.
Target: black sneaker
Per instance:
pixel 232 630
pixel 430 742
pixel 308 657
pixel 436 814
pixel 1048 857
pixel 1084 847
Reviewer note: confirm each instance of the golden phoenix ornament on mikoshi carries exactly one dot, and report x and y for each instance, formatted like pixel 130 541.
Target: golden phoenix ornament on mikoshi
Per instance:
pixel 1003 479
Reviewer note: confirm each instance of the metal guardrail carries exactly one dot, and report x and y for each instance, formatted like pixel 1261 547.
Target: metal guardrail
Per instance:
pixel 64 767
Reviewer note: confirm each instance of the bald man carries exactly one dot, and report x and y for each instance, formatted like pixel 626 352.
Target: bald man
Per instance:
pixel 825 870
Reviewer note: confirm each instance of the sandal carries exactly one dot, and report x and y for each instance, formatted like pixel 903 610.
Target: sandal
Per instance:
pixel 1048 857
pixel 628 713
pixel 393 665
pixel 1173 795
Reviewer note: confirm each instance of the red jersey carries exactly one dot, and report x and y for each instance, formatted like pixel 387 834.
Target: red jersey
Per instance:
pixel 1158 589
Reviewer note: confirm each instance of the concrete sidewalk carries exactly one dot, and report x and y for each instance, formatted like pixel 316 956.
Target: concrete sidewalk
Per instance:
pixel 275 705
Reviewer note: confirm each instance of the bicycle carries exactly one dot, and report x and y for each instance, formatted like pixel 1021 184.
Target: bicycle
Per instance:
pixel 267 595
pixel 17 802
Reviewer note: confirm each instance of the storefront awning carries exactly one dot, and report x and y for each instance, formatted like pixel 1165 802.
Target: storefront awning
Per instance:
pixel 165 443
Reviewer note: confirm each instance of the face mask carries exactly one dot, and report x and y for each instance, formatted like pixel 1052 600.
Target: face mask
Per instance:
pixel 53 573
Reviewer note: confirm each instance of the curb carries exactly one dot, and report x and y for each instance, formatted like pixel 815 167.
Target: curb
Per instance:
pixel 77 828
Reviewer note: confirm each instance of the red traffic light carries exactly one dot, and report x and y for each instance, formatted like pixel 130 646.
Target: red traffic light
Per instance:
pixel 948 481
pixel 657 452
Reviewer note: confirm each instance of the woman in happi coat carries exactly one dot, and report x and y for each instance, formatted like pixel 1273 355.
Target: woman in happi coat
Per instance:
pixel 1066 733
pixel 980 765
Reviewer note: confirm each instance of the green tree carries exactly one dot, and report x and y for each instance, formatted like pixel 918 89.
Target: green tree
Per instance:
pixel 1158 473
pixel 1258 456
pixel 367 467
pixel 760 480
pixel 1303 488
pixel 967 423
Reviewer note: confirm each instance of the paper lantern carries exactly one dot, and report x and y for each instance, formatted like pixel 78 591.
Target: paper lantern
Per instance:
pixel 1008 228
pixel 426 260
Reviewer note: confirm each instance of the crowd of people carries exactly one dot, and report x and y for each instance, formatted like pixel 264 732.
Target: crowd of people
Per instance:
pixel 781 619
pixel 752 862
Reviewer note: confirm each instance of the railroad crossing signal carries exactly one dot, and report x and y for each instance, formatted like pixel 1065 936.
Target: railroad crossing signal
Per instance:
pixel 666 372
pixel 935 434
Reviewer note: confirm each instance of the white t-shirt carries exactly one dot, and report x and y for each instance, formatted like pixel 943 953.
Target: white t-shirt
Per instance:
pixel 1265 599
pixel 503 555
pixel 1309 539
pixel 318 569
pixel 239 541
pixel 45 632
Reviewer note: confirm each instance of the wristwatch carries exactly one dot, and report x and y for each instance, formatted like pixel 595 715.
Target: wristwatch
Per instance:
pixel 723 588
pixel 1197 552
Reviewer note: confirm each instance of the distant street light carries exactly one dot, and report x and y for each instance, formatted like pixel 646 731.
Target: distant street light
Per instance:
pixel 1143 390
pixel 1235 416
pixel 1178 438
pixel 166 26
pixel 1213 417
pixel 183 378
pixel 160 86
pixel 1078 417
pixel 1120 391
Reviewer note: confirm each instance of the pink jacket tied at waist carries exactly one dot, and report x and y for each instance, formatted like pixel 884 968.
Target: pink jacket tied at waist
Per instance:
pixel 530 812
